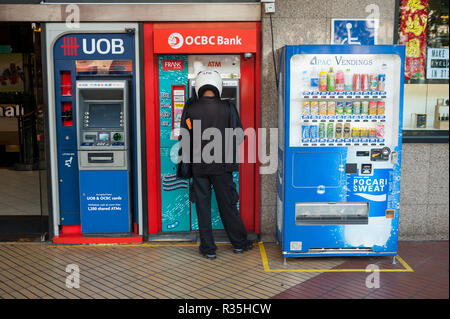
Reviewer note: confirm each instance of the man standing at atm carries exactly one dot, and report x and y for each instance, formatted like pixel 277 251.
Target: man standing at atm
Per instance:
pixel 208 112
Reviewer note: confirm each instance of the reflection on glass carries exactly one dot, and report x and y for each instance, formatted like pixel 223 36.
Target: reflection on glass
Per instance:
pixel 104 67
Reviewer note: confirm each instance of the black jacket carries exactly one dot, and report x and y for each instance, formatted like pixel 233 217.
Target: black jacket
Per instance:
pixel 215 113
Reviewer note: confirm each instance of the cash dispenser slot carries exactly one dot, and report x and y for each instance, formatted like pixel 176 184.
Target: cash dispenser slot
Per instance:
pixel 331 213
pixel 97 158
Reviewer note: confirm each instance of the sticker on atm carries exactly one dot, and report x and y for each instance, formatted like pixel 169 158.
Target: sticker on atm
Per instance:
pixel 173 65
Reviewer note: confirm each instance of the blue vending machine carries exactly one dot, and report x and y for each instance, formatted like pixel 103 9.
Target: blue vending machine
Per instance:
pixel 339 150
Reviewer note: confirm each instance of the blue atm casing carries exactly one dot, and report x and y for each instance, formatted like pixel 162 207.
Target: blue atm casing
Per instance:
pixel 67 50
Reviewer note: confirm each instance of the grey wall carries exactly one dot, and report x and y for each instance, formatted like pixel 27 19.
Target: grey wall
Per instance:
pixel 424 203
pixel 423 216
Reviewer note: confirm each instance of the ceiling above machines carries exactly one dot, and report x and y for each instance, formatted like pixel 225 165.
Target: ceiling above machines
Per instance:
pixel 137 11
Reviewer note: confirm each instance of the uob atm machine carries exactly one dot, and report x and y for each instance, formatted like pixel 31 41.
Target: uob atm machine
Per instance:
pixel 94 122
pixel 339 150
pixel 102 141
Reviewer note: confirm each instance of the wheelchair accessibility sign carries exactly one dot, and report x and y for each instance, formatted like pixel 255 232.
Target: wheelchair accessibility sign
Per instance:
pixel 354 31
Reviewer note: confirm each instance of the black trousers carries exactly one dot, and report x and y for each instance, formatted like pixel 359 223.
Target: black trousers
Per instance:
pixel 227 199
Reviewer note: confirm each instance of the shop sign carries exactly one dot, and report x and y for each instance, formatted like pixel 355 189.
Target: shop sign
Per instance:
pixel 413 34
pixel 437 63
pixel 92 46
pixel 205 40
pixel 227 65
pixel 11 110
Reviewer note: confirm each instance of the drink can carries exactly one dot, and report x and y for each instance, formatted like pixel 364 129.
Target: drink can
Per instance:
pixel 356 82
pixel 357 107
pixel 322 132
pixel 372 132
pixel 306 108
pixel 372 108
pixel 364 82
pixel 381 82
pixel 314 108
pixel 348 108
pixel 338 133
pixel 373 82
pixel 364 132
pixel 331 108
pixel 381 107
pixel 339 107
pixel 323 108
pixel 355 132
pixel 330 130
pixel 313 133
pixel 365 107
pixel 305 132
pixel 380 131
pixel 347 130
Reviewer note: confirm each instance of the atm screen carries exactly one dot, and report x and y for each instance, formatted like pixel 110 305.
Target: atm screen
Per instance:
pixel 104 115
pixel 229 93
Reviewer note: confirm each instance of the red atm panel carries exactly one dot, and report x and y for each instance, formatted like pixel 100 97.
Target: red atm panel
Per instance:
pixel 249 104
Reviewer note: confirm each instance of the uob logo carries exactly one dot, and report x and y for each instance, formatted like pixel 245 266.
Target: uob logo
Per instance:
pixel 175 40
pixel 100 46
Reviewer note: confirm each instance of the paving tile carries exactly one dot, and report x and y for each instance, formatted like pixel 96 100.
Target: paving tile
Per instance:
pixel 107 272
pixel 429 261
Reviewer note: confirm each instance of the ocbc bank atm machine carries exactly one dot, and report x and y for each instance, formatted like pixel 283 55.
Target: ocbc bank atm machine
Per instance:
pixel 103 156
pixel 176 85
pixel 230 92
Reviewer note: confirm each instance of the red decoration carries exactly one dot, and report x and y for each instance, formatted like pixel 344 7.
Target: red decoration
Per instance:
pixel 413 34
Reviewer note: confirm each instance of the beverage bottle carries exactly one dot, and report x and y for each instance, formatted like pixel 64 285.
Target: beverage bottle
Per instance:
pixel 373 82
pixel 348 80
pixel 305 80
pixel 340 81
pixel 331 80
pixel 323 81
pixel 314 79
pixel 322 130
pixel 364 82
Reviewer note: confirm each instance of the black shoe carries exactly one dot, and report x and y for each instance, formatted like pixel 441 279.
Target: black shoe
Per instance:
pixel 245 248
pixel 209 256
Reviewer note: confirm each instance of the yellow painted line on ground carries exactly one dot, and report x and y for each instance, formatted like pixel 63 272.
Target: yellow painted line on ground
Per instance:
pixel 262 251
pixel 267 268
